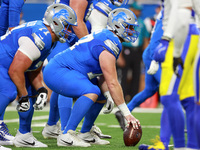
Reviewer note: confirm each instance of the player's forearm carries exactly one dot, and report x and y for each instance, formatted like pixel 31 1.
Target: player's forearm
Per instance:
pixel 80 30
pixel 176 24
pixel 116 92
pixel 170 17
pixel 36 79
pixel 196 7
pixel 182 30
pixel 18 79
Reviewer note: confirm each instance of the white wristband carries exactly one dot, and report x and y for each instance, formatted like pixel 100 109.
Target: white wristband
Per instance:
pixel 124 109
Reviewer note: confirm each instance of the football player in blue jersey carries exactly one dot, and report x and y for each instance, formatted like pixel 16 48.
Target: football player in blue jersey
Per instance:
pixel 151 81
pixel 23 50
pixel 99 8
pixel 91 56
pixel 10 14
pixel 52 127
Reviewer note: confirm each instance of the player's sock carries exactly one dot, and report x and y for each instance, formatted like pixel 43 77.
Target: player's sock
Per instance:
pixel 3 104
pixel 188 105
pixel 65 108
pixel 53 112
pixel 197 122
pixel 139 98
pixel 165 131
pixel 176 118
pixel 80 108
pixel 91 116
pixel 25 118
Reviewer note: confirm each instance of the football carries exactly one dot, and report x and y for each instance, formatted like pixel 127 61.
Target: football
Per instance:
pixel 132 136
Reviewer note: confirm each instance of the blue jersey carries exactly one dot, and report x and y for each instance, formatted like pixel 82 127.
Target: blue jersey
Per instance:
pixel 34 30
pixel 84 55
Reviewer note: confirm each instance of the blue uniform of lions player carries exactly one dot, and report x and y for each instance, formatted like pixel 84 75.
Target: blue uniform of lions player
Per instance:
pixel 23 50
pixel 91 56
pixel 56 100
pixel 10 14
pixel 51 129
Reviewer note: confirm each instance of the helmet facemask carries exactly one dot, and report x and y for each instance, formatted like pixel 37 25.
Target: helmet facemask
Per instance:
pixel 65 31
pixel 60 18
pixel 123 22
pixel 129 34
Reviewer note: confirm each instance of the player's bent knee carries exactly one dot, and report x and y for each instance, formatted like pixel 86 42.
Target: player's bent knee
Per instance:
pixel 150 92
pixel 92 96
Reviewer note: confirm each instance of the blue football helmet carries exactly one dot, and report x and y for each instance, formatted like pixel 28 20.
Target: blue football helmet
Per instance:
pixel 60 17
pixel 123 22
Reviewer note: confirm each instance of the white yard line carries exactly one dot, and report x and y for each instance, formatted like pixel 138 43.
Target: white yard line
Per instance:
pixel 138 109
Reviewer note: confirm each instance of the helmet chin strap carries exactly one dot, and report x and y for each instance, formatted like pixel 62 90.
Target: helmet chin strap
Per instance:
pixel 62 40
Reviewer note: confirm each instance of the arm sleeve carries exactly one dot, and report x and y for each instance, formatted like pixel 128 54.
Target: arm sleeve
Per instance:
pixel 170 16
pixel 28 47
pixel 176 23
pixel 182 30
pixel 196 6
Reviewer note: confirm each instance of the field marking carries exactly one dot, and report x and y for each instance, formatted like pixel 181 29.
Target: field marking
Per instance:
pixel 137 109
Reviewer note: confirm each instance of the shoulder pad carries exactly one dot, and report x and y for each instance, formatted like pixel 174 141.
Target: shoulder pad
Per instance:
pixel 38 41
pixel 112 46
pixel 103 8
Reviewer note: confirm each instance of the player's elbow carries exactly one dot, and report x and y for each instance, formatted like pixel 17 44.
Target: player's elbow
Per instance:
pixel 12 72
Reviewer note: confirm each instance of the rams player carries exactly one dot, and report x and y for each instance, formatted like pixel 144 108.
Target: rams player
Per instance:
pixel 168 90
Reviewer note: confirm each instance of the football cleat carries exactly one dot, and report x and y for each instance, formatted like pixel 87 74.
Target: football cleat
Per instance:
pixel 99 133
pixel 92 138
pixel 27 140
pixel 71 139
pixel 5 137
pixel 120 119
pixel 4 148
pixel 158 145
pixel 51 131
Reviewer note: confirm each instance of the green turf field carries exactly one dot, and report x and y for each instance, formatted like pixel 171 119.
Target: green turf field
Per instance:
pixel 150 121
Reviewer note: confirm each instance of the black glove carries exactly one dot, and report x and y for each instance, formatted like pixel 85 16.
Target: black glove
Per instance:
pixel 177 61
pixel 23 104
pixel 41 98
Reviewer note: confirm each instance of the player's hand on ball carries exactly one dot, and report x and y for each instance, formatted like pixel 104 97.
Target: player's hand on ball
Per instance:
pixel 132 135
pixel 132 120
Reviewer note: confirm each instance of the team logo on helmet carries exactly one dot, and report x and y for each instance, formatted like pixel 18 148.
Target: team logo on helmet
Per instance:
pixel 62 12
pixel 121 15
